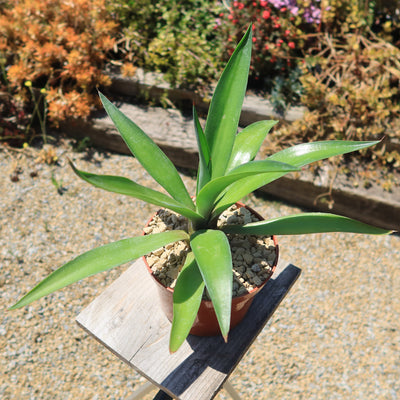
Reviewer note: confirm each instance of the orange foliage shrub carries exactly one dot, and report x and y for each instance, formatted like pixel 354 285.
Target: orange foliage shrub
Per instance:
pixel 59 45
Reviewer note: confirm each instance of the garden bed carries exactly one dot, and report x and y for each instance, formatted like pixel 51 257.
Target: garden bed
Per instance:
pixel 173 131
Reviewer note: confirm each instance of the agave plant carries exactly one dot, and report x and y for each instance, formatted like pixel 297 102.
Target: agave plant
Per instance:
pixel 226 173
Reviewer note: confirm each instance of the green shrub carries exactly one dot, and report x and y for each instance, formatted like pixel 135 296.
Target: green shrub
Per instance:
pixel 177 38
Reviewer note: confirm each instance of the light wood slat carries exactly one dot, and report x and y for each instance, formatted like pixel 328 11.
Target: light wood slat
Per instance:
pixel 127 320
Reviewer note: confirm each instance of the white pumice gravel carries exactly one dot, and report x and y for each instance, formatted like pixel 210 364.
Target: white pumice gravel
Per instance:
pixel 252 256
pixel 335 336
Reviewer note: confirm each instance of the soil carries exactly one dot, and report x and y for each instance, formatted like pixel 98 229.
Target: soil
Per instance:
pixel 253 257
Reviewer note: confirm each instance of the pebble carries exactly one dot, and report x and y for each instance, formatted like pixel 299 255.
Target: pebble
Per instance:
pixel 256 280
pixel 256 268
pixel 170 258
pixel 248 258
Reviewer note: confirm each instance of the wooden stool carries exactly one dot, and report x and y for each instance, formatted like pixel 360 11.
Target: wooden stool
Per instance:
pixel 128 321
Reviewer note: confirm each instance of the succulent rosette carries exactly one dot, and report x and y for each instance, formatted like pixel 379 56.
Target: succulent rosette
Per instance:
pixel 227 172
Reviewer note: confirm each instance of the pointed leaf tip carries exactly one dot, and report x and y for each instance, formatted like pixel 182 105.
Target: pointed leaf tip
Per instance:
pixel 147 152
pixel 226 104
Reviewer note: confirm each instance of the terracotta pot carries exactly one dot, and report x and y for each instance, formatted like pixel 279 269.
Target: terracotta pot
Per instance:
pixel 206 323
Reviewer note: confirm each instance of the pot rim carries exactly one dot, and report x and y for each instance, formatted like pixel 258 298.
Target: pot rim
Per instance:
pixel 236 297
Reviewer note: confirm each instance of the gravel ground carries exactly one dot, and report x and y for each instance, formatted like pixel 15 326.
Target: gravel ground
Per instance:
pixel 336 335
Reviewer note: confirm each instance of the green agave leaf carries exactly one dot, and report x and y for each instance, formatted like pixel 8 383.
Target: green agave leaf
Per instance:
pixel 248 142
pixel 203 173
pixel 226 104
pixel 119 184
pixel 303 224
pixel 210 192
pixel 307 153
pixel 155 162
pixel 98 260
pixel 187 296
pixel 213 256
pixel 298 156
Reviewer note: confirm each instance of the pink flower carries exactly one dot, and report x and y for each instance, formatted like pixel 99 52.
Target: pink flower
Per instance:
pixel 291 45
pixel 266 14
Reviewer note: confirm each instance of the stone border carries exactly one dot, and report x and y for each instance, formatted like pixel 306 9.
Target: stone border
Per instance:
pixel 174 134
pixel 152 85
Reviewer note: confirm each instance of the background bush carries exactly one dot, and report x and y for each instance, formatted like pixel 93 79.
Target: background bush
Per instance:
pixel 332 56
pixel 57 46
pixel 351 90
pixel 340 59
pixel 177 38
pixel 282 31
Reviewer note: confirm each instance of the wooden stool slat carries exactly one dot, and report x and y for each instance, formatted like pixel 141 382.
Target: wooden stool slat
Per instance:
pixel 127 320
pixel 162 396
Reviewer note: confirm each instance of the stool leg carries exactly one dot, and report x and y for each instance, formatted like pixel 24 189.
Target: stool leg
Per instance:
pixel 142 391
pixel 231 390
pixel 149 387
